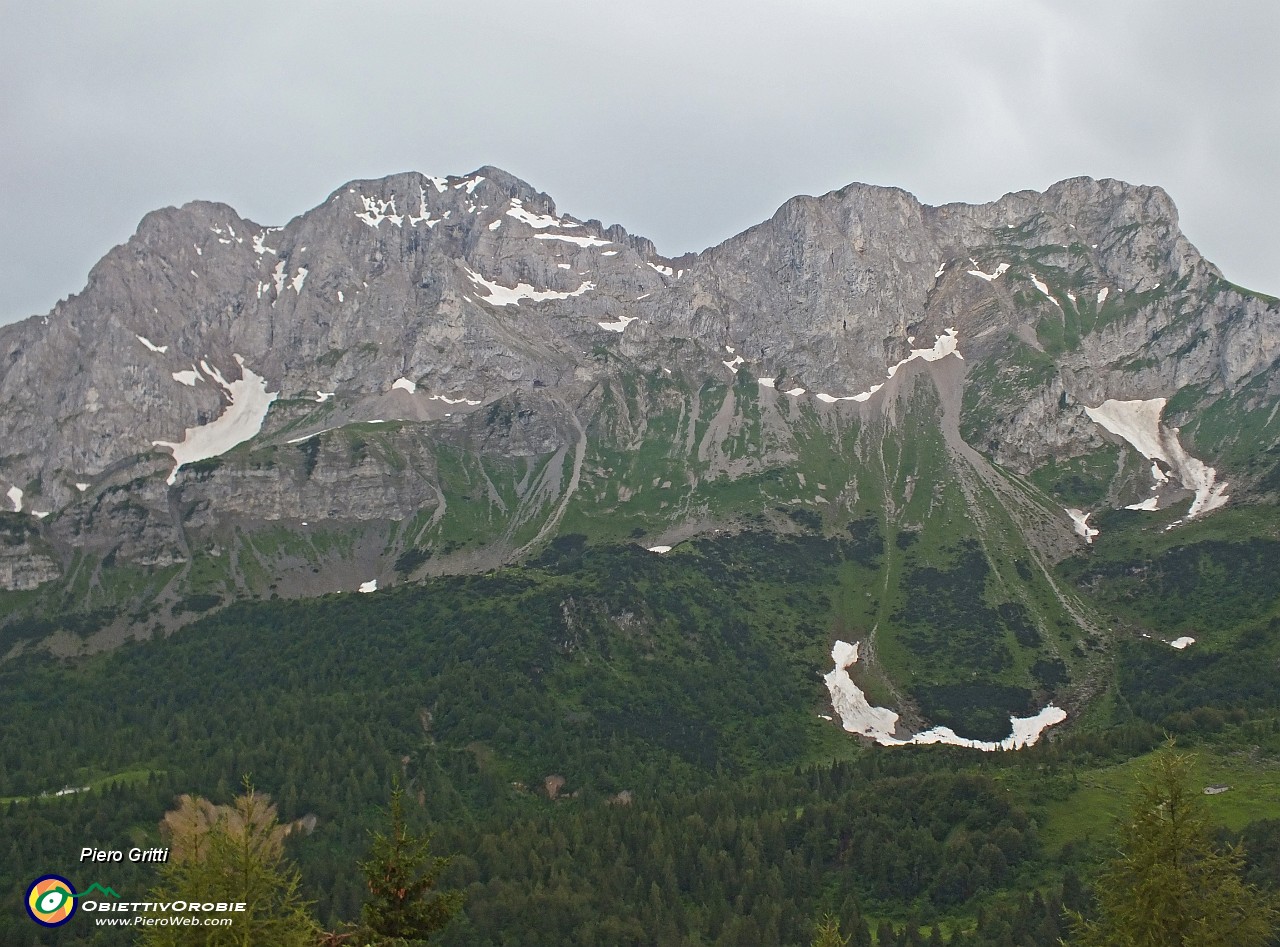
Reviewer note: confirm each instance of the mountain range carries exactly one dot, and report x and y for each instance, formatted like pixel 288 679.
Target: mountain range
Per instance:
pixel 432 375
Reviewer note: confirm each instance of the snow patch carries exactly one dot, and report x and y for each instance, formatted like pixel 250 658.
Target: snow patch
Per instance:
pixel 537 221
pixel 794 392
pixel 609 253
pixel 298 279
pixel 1081 521
pixel 946 344
pixel 424 216
pixel 248 400
pixel 659 549
pixel 1150 504
pixel 404 384
pixel 82 487
pixel 370 586
pixel 1182 643
pixel 447 400
pixel 881 724
pixel 15 497
pixel 495 225
pixel 767 382
pixel 511 296
pixel 159 349
pixel 1102 295
pixel 1044 288
pixel 259 247
pixel 733 365
pixel 188 377
pixel 580 241
pixel 323 396
pixel 989 277
pixel 1138 422
pixel 850 703
pixel 619 326
pixel 307 437
pixel 376 210
pixel 664 270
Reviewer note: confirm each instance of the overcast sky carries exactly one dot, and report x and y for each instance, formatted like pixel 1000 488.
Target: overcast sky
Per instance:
pixel 684 120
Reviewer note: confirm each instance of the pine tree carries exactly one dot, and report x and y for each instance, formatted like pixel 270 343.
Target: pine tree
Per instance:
pixel 403 907
pixel 1169 886
pixel 827 934
pixel 231 854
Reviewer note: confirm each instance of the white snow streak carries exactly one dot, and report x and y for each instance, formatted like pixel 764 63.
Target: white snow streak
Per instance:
pixel 249 402
pixel 323 396
pixel 298 279
pixel 989 277
pixel 664 270
pixel 404 384
pixel 733 365
pixel 307 437
pixel 1044 288
pixel 794 392
pixel 511 296
pixel 1138 422
pixel 580 241
pixel 188 377
pixel 160 349
pixel 259 247
pixel 1150 504
pixel 537 221
pixel 1102 295
pixel 944 345
pixel 880 723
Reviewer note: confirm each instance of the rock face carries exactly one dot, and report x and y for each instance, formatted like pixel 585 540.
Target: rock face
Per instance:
pixel 416 338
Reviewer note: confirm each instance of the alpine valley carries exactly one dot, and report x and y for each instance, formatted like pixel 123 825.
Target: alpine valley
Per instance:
pixel 645 531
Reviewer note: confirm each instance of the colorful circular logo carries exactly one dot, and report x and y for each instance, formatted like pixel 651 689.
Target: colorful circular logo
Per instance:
pixel 51 900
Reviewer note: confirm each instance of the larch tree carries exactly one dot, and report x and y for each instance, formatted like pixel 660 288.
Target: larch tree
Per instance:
pixel 1169 885
pixel 231 854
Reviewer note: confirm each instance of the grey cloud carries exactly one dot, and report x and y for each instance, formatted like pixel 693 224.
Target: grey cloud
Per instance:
pixel 684 122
